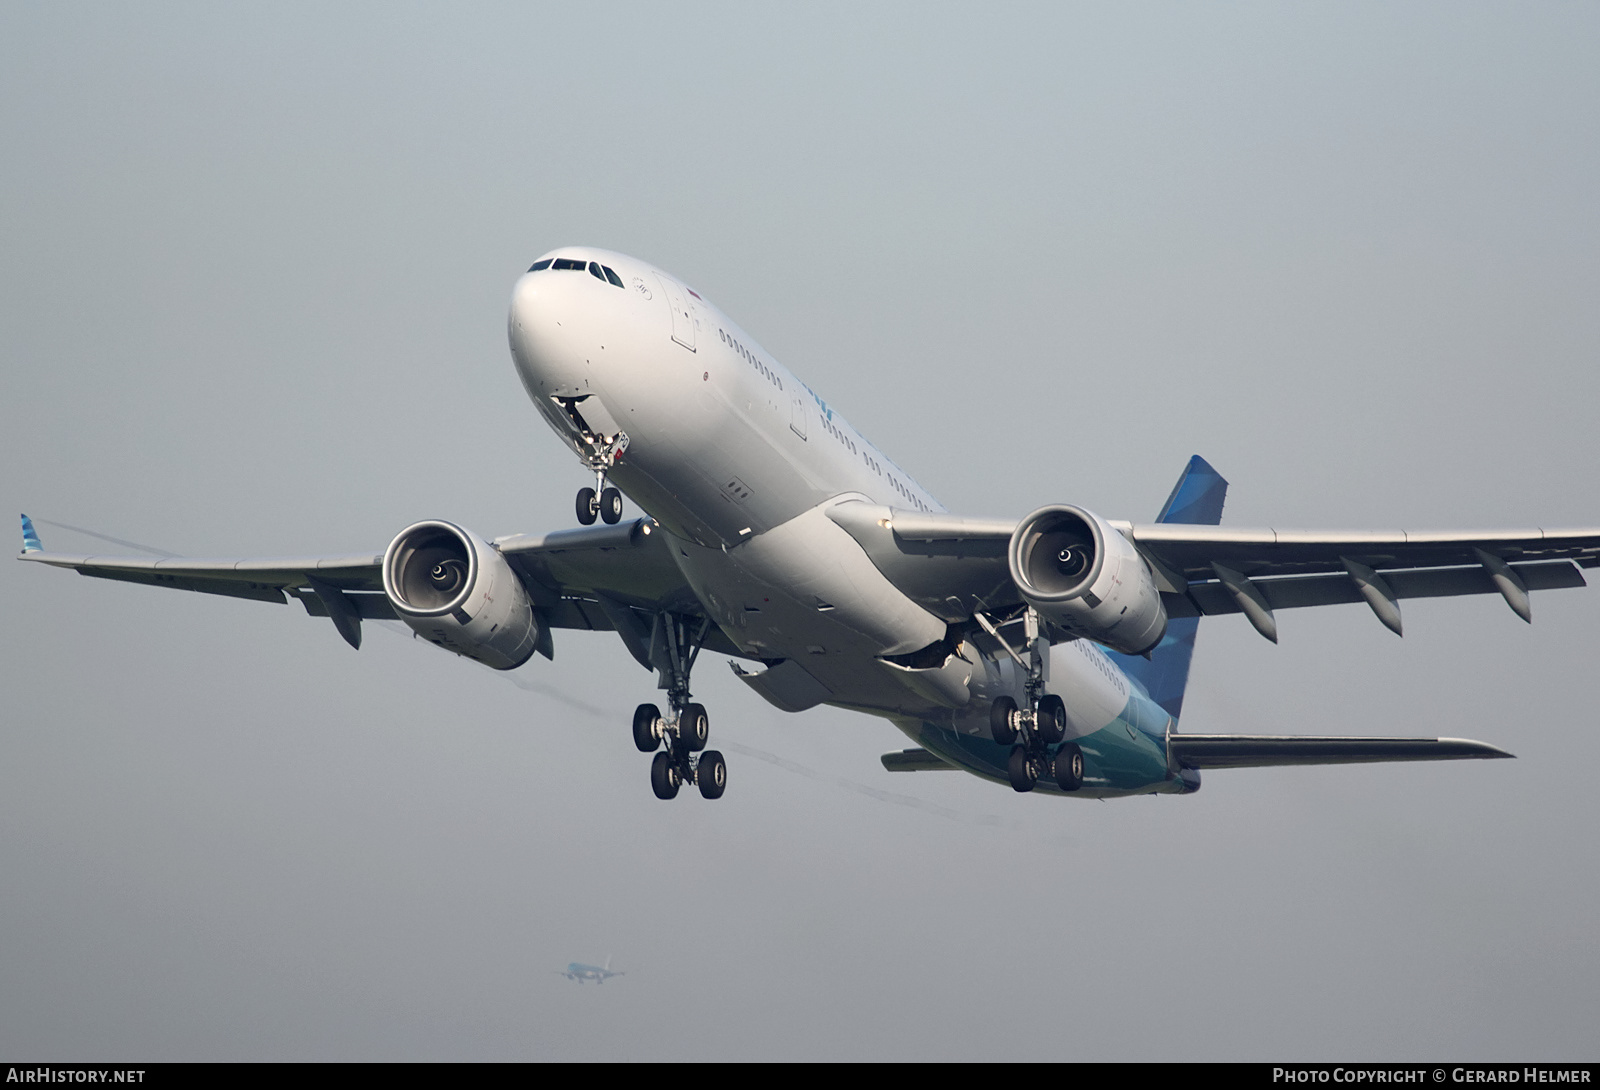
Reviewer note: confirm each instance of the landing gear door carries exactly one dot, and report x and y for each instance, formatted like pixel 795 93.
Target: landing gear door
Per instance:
pixel 682 320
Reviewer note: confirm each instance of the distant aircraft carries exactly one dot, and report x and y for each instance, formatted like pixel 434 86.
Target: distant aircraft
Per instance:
pixel 1049 653
pixel 581 972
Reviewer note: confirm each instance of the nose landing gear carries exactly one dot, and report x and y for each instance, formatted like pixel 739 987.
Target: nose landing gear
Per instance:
pixel 599 452
pixel 606 503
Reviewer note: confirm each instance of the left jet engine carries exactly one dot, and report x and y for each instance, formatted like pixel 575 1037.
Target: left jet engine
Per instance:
pixel 1076 569
pixel 456 590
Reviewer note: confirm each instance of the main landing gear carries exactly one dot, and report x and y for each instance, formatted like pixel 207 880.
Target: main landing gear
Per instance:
pixel 674 645
pixel 1030 734
pixel 1031 731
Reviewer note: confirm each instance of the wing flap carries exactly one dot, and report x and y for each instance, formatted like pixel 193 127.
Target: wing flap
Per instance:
pixel 1193 549
pixel 232 588
pixel 357 572
pixel 1271 750
pixel 367 606
pixel 1294 591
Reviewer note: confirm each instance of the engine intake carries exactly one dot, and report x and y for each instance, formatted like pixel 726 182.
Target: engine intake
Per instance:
pixel 456 590
pixel 1076 570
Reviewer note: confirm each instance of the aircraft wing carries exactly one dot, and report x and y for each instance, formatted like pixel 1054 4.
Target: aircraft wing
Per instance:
pixel 589 578
pixel 1254 571
pixel 956 566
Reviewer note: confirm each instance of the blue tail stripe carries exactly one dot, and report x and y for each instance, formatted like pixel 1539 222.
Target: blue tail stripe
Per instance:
pixel 1197 499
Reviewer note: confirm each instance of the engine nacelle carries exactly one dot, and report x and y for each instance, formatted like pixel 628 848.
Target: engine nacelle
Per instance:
pixel 456 590
pixel 1076 570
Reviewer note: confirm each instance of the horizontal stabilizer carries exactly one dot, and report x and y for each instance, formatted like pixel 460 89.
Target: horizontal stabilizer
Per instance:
pixel 916 760
pixel 1266 750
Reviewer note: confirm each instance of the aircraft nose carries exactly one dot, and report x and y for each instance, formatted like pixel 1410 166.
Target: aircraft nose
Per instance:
pixel 542 302
pixel 524 301
pixel 536 316
pixel 549 328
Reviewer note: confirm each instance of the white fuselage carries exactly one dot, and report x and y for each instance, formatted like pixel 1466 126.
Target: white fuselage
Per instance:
pixel 738 461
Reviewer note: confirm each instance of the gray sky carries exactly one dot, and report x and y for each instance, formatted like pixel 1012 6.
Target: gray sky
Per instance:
pixel 255 270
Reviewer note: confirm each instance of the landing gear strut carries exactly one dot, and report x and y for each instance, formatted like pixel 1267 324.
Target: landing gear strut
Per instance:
pixel 1031 731
pixel 674 644
pixel 602 501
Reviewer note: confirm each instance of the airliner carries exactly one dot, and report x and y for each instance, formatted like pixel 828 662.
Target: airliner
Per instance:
pixel 580 972
pixel 1049 653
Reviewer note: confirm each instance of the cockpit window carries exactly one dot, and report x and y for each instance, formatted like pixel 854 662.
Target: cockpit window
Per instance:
pixel 600 272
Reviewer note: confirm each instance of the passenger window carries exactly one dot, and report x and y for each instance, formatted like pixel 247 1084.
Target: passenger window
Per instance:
pixel 611 276
pixel 537 265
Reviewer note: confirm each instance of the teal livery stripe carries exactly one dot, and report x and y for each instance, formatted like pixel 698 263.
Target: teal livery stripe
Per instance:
pixel 1126 757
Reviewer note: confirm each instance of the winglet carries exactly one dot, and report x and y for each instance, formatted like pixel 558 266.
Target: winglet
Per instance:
pixel 30 537
pixel 1197 497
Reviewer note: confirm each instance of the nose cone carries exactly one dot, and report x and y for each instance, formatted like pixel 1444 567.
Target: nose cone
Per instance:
pixel 526 312
pixel 545 330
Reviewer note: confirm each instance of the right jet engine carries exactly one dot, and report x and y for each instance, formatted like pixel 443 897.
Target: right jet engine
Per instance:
pixel 1084 576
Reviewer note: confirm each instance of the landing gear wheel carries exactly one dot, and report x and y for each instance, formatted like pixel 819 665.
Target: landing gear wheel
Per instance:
pixel 588 506
pixel 610 506
pixel 1051 720
pixel 711 774
pixel 1022 769
pixel 1002 721
pixel 1069 767
pixel 694 727
pixel 664 777
pixel 645 717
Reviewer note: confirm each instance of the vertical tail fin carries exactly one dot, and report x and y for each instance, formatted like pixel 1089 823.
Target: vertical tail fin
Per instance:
pixel 30 537
pixel 1196 498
